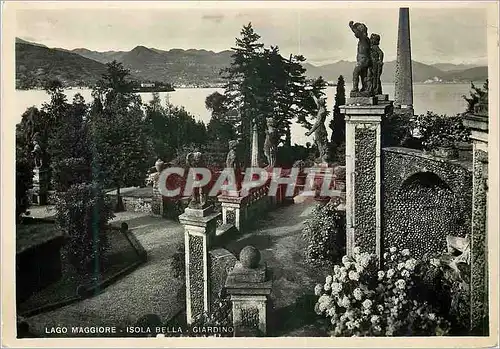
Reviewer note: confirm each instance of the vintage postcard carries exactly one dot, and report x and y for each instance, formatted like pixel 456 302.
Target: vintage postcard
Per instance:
pixel 234 174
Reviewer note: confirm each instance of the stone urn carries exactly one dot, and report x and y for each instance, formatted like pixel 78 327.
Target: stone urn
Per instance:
pixel 159 165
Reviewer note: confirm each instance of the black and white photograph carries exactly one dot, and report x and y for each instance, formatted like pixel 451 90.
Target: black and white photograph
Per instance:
pixel 228 169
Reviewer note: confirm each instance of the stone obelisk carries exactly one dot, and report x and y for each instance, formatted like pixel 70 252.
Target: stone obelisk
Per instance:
pixel 403 93
pixel 255 146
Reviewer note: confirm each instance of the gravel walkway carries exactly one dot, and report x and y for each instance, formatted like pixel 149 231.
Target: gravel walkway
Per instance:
pixel 279 239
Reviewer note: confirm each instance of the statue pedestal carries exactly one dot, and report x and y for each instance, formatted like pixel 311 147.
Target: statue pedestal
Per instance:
pixel 40 187
pixel 249 290
pixel 199 212
pixel 199 230
pixel 383 99
pixel 361 100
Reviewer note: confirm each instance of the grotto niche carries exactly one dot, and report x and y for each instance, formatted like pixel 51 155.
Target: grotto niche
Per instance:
pixel 424 211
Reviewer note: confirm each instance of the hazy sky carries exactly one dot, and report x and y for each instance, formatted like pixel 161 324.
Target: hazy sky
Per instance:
pixel 451 35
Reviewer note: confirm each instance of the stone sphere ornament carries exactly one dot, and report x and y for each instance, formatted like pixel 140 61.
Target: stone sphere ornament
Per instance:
pixel 250 257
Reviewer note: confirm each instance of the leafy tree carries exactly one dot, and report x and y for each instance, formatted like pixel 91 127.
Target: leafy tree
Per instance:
pixel 24 181
pixel 58 106
pixel 39 125
pixel 478 96
pixel 172 127
pixel 261 84
pixel 217 103
pixel 220 126
pixel 317 87
pixel 34 124
pixel 116 84
pixel 69 147
pixel 121 148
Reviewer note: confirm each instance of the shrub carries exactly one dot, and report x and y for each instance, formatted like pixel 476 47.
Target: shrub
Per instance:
pixel 361 300
pixel 324 233
pixel 478 100
pixel 396 130
pixel 288 155
pixel 448 289
pixel 219 316
pixel 339 153
pixel 83 212
pixel 70 171
pixel 441 130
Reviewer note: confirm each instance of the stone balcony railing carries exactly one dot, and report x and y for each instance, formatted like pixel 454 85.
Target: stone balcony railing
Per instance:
pixel 239 209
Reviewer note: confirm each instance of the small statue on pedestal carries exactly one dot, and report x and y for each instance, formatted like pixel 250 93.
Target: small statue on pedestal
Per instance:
pixel 198 198
pixel 37 154
pixel 270 142
pixel 363 62
pixel 319 129
pixel 232 156
pixel 232 161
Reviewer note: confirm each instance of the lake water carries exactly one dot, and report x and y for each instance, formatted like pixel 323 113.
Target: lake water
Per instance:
pixel 439 98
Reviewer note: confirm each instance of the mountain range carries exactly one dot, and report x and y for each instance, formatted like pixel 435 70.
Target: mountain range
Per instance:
pixel 82 67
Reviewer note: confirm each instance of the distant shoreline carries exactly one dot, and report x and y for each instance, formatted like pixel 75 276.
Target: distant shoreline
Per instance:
pixel 215 86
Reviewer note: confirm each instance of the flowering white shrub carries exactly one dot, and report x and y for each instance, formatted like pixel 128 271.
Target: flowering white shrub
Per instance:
pixel 361 300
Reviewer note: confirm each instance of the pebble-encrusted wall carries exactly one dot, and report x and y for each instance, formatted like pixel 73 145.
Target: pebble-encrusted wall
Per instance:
pixel 221 262
pixel 365 204
pixel 196 286
pixel 156 202
pixel 479 256
pixel 424 198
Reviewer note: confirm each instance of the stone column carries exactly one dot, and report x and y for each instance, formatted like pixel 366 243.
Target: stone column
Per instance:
pixel 249 290
pixel 479 239
pixel 363 173
pixel 233 210
pixel 403 92
pixel 199 230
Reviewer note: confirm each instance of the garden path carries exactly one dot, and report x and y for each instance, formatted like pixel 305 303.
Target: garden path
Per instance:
pixel 279 239
pixel 152 289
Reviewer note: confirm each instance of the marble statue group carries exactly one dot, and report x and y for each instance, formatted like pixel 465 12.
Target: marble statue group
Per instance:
pixel 369 62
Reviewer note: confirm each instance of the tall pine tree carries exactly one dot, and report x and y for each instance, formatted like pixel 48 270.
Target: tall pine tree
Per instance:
pixel 243 84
